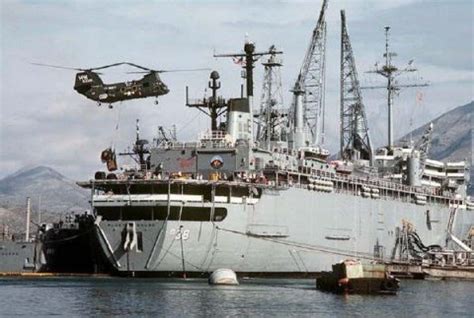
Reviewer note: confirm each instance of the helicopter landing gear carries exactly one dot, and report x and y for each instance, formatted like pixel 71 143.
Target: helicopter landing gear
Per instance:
pixel 156 101
pixel 111 106
pixel 99 104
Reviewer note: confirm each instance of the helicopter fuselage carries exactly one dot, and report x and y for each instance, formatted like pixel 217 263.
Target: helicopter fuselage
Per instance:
pixel 89 84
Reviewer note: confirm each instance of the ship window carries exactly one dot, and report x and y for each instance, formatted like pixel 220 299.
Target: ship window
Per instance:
pixel 428 220
pixel 195 214
pixel 140 241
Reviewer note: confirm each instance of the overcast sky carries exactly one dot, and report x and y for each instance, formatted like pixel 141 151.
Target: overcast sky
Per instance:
pixel 44 121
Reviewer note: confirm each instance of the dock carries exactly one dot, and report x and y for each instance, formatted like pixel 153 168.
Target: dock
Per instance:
pixel 48 274
pixel 431 272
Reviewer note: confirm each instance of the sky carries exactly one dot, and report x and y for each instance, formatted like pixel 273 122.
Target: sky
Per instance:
pixel 45 122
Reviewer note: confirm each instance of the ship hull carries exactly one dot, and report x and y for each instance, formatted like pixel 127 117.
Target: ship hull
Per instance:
pixel 17 258
pixel 289 232
pixel 71 248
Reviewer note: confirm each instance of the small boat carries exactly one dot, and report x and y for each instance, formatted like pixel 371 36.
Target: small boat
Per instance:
pixel 351 277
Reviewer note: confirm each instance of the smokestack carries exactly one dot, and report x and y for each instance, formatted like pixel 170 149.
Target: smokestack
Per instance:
pixel 28 215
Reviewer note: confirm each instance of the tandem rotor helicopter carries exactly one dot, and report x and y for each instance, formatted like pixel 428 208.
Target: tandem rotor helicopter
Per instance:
pixel 89 83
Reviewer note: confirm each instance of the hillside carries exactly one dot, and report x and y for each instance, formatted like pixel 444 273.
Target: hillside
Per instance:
pixel 56 193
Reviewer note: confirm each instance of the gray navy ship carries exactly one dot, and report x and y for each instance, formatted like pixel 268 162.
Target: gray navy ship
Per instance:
pixel 259 194
pixel 20 253
pixel 63 247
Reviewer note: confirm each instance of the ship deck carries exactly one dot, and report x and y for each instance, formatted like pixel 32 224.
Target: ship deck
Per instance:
pixel 281 180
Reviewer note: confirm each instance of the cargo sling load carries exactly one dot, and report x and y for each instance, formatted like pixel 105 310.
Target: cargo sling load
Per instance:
pixel 227 200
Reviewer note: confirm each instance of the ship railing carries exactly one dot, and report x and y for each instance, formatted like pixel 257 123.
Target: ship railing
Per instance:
pixel 209 139
pixel 214 134
pixel 346 183
pixel 215 139
pixel 387 188
pixel 5 235
pixel 179 145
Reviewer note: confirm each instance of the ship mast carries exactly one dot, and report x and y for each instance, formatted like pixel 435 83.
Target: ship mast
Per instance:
pixel 271 116
pixel 140 146
pixel 248 59
pixel 249 63
pixel 391 72
pixel 140 149
pixel 214 106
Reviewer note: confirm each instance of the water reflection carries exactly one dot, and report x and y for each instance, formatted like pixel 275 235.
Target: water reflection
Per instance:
pixel 195 298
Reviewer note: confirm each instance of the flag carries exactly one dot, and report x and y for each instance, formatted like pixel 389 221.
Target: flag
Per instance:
pixel 186 163
pixel 239 60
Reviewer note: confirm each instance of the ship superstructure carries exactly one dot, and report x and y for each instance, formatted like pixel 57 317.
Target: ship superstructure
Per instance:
pixel 264 198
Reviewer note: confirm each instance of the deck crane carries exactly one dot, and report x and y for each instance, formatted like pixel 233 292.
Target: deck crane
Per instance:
pixel 423 147
pixel 308 92
pixel 355 140
pixel 418 156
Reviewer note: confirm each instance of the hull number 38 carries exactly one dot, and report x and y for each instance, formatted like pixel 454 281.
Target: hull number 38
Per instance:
pixel 179 234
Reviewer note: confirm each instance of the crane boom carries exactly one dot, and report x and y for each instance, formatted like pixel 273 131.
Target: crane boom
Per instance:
pixel 316 38
pixel 423 146
pixel 355 140
pixel 311 80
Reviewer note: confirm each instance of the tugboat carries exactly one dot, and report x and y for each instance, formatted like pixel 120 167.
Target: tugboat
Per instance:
pixel 63 247
pixel 351 277
pixel 69 246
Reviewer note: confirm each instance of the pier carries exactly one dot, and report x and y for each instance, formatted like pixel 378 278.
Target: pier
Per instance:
pixel 431 272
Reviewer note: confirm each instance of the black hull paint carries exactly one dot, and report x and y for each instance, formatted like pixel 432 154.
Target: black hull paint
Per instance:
pixel 73 249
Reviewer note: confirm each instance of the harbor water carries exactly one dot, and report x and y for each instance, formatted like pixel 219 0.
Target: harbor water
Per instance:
pixel 104 296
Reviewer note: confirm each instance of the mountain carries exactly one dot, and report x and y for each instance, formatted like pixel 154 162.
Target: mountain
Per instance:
pixel 44 186
pixel 452 137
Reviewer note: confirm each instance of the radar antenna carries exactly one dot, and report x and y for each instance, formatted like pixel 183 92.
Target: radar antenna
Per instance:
pixel 213 106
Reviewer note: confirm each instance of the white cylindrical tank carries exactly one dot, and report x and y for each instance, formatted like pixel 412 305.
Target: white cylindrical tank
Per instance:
pixel 413 167
pixel 299 111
